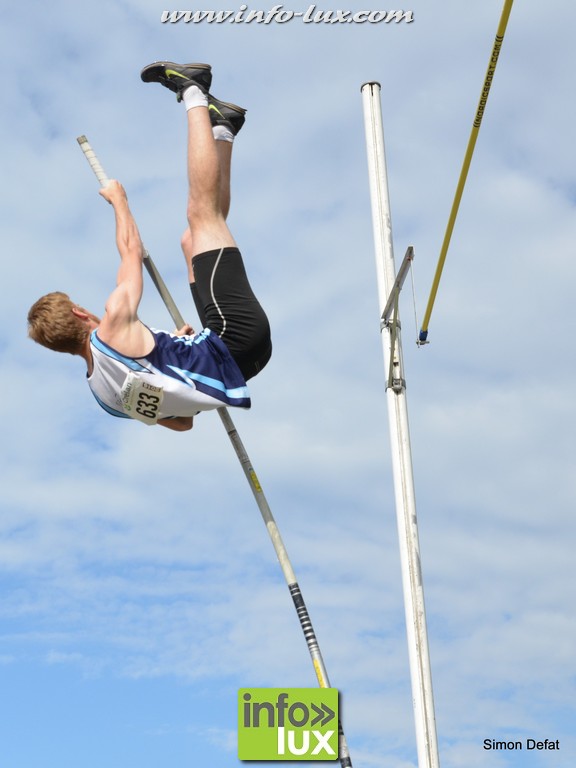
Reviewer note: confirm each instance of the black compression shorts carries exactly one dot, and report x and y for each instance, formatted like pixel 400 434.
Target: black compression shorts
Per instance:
pixel 226 304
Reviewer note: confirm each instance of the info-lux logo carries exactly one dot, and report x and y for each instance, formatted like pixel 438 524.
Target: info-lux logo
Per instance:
pixel 288 724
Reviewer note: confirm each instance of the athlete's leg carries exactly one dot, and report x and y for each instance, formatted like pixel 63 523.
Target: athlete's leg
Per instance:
pixel 218 281
pixel 224 151
pixel 212 126
pixel 222 294
pixel 208 185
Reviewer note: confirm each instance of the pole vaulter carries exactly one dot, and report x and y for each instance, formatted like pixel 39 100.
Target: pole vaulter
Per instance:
pixel 250 473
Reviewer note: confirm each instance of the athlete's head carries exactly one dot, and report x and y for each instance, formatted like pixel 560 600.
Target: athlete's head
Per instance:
pixel 57 323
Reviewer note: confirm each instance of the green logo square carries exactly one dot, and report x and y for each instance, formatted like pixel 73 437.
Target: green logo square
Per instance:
pixel 288 724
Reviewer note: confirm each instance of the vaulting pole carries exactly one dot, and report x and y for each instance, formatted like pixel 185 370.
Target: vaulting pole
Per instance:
pixel 255 487
pixel 399 434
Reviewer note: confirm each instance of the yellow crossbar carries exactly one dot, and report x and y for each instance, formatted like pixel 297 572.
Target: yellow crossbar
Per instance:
pixel 466 165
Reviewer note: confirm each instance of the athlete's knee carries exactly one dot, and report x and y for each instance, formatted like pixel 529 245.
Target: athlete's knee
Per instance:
pixel 186 243
pixel 201 214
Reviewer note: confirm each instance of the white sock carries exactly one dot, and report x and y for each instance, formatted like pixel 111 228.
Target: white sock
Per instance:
pixel 193 97
pixel 222 133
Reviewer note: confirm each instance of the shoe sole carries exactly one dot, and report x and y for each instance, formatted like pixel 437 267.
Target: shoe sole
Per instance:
pixel 218 103
pixel 150 73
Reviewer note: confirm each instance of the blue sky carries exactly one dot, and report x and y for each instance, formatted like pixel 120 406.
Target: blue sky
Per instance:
pixel 139 587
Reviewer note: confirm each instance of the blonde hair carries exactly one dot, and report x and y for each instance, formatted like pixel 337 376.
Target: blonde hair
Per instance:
pixel 52 324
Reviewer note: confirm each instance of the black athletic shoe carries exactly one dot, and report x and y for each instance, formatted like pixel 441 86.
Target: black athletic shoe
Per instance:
pixel 178 77
pixel 223 113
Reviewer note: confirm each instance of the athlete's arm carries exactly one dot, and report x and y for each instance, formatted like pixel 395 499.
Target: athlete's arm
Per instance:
pixel 179 424
pixel 120 326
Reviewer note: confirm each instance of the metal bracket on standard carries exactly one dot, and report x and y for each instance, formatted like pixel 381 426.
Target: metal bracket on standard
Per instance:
pixel 397 287
pixel 396 383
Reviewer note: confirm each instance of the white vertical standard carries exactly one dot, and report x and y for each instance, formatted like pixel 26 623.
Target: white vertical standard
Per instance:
pixel 400 436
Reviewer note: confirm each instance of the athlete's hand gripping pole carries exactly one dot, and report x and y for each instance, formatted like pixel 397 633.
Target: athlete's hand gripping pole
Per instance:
pixel 147 259
pixel 266 512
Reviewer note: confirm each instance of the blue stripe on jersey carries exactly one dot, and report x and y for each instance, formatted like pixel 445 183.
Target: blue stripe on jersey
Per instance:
pixel 105 349
pixel 109 409
pixel 239 393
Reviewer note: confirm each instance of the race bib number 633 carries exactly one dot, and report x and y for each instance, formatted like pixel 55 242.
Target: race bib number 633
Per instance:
pixel 140 399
